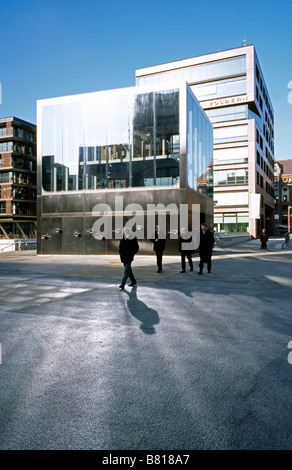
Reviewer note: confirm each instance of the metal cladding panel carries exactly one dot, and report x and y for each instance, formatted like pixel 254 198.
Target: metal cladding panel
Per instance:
pixel 93 245
pixel 73 235
pixel 92 199
pixel 83 234
pixel 73 203
pixel 52 204
pixel 50 238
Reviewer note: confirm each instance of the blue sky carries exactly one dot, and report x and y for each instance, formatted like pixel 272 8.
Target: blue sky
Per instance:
pixel 52 48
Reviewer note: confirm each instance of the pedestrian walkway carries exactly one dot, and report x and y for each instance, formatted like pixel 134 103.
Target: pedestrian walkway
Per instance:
pixel 179 362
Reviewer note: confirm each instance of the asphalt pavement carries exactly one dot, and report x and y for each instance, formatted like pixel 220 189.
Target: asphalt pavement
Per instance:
pixel 180 361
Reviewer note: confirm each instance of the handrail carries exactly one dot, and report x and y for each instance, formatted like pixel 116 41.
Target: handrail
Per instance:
pixel 7 246
pixel 16 243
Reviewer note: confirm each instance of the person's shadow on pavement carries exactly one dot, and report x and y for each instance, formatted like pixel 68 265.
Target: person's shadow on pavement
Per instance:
pixel 147 316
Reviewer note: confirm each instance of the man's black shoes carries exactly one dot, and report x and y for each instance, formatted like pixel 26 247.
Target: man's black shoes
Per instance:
pixel 122 286
pixel 132 284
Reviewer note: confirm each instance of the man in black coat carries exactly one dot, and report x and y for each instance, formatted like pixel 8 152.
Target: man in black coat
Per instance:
pixel 128 248
pixel 185 249
pixel 158 239
pixel 205 249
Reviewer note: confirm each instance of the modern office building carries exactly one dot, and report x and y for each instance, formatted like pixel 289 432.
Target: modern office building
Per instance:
pixel 283 196
pixel 101 154
pixel 231 89
pixel 18 214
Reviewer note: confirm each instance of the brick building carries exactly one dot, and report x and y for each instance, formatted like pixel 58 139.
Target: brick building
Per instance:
pixel 17 178
pixel 283 196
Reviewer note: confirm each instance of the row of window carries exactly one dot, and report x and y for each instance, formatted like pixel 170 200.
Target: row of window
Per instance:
pixel 230 134
pixel 16 147
pixel 23 134
pixel 228 113
pixel 261 162
pixel 18 208
pixel 260 182
pixel 17 178
pixel 17 162
pixel 220 89
pixel 231 222
pixel 230 155
pixel 231 198
pixel 18 193
pixel 17 132
pixel 199 73
pixel 264 92
pixel 230 177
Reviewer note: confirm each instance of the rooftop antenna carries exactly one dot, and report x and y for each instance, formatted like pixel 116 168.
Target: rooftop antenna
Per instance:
pixel 244 41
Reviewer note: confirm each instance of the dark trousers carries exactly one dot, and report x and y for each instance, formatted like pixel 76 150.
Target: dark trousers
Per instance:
pixel 205 260
pixel 159 259
pixel 264 246
pixel 128 273
pixel 183 260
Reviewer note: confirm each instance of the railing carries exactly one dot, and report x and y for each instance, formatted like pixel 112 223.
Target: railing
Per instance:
pixel 19 245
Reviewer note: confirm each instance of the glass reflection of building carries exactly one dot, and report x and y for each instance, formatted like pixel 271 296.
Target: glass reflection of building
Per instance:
pixel 232 91
pixel 147 144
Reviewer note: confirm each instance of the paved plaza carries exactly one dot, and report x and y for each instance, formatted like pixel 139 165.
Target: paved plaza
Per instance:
pixel 180 362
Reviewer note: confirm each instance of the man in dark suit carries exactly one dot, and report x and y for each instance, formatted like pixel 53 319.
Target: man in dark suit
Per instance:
pixel 158 239
pixel 205 249
pixel 128 248
pixel 185 249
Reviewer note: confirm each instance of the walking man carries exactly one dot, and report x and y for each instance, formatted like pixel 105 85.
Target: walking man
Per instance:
pixel 264 238
pixel 205 249
pixel 185 249
pixel 128 248
pixel 158 239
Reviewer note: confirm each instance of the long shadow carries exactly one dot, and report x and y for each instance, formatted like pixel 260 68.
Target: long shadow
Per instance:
pixel 147 316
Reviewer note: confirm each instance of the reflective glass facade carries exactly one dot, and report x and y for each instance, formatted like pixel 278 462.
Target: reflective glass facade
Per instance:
pixel 119 140
pixel 122 140
pixel 199 149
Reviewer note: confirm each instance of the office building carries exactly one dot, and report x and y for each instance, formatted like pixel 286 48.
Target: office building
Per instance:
pixel 231 89
pixel 141 145
pixel 283 196
pixel 18 186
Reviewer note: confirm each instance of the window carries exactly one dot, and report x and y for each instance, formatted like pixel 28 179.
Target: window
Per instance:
pixel 231 222
pixel 285 194
pixel 5 146
pixel 2 207
pixel 228 113
pixel 231 177
pixel 230 155
pixel 6 177
pixel 230 134
pixel 220 89
pixel 232 198
pixel 201 72
pixel 258 158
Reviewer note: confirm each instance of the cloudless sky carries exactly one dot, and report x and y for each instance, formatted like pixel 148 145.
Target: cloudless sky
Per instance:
pixel 53 48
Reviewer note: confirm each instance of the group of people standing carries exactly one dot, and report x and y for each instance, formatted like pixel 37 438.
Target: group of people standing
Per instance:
pixel 129 247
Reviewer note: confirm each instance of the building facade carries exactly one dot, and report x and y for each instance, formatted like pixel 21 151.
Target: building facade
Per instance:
pixel 283 196
pixel 100 154
pixel 18 213
pixel 231 89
